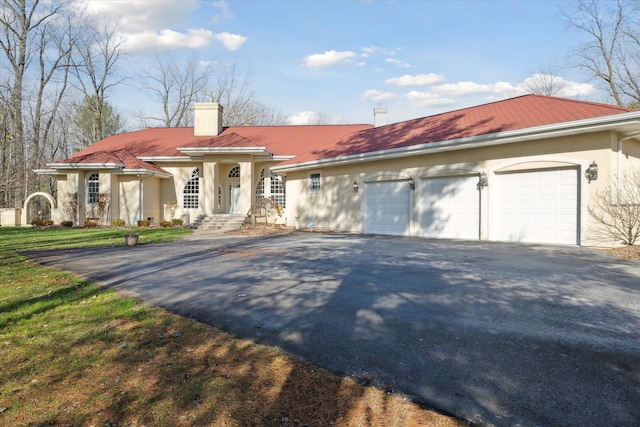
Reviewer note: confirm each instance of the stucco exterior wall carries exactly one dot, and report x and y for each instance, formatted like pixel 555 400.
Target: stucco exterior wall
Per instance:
pixel 128 198
pixel 11 217
pixel 338 207
pixel 152 209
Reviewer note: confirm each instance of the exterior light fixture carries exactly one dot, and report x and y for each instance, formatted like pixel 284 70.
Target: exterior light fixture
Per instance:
pixel 412 183
pixel 483 181
pixel 592 172
pixel 355 186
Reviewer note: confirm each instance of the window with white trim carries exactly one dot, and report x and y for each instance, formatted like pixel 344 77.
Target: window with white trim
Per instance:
pixel 93 188
pixel 277 190
pixel 315 182
pixel 270 186
pixel 191 193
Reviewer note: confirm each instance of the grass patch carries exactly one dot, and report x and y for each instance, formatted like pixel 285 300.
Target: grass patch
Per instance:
pixel 75 354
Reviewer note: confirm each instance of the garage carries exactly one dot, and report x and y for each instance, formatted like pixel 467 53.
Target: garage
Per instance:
pixel 387 208
pixel 537 207
pixel 449 207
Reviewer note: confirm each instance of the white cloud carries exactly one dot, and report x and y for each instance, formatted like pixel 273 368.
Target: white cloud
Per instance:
pixel 472 88
pixel 303 118
pixel 398 63
pixel 563 88
pixel 328 59
pixel 232 42
pixel 378 96
pixel 416 80
pixel 139 16
pixel 168 40
pixel 223 11
pixel 426 99
pixel 163 26
pixel 377 49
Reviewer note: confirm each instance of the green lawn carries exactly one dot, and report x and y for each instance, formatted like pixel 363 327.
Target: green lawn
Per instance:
pixel 74 354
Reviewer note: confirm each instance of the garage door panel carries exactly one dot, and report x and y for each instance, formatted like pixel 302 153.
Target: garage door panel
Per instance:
pixel 450 208
pixel 387 208
pixel 538 207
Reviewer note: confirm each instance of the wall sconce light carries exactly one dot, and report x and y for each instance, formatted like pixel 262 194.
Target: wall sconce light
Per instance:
pixel 412 183
pixel 355 186
pixel 483 180
pixel 592 172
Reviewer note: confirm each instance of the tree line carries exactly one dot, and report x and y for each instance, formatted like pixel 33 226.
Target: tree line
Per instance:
pixel 59 65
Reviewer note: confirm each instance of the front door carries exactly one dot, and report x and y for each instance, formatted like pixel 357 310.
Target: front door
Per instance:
pixel 234 198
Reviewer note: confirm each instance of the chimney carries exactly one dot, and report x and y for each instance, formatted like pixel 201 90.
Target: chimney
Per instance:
pixel 379 116
pixel 207 119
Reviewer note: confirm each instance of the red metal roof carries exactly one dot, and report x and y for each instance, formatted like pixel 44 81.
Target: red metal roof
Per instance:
pixel 164 142
pixel 511 114
pixel 310 143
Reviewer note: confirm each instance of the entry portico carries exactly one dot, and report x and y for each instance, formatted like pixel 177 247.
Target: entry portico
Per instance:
pixel 189 173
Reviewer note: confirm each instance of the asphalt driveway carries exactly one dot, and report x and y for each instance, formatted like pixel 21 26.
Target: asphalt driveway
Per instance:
pixel 499 334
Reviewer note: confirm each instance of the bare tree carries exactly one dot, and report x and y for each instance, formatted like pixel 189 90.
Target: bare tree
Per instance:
pixel 610 56
pixel 31 36
pixel 545 82
pixel 175 87
pixel 229 85
pixel 617 210
pixel 98 52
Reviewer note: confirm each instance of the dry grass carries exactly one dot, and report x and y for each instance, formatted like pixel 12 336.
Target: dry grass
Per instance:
pixel 260 230
pixel 173 371
pixel 625 252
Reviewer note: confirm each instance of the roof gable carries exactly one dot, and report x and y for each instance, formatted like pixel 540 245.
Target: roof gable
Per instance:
pixel 122 159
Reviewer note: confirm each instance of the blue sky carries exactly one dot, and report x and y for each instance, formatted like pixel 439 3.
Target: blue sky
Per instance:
pixel 342 58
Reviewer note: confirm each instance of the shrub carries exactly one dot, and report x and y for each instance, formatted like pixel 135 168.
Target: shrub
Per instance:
pixel 90 224
pixel 165 224
pixel 177 221
pixel 36 222
pixel 67 224
pixel 118 222
pixel 143 223
pixel 47 222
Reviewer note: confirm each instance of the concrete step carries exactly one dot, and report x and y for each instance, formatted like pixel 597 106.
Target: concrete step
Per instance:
pixel 219 221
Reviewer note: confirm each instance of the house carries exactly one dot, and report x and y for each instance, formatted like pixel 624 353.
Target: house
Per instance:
pixel 524 169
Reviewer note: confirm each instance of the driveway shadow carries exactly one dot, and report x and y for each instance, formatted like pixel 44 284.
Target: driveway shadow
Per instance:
pixel 498 334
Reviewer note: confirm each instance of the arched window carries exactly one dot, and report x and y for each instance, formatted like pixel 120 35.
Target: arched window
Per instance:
pixel 93 188
pixel 234 172
pixel 272 187
pixel 191 193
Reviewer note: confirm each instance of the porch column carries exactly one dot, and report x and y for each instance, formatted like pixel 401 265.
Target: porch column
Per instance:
pixel 210 187
pixel 247 189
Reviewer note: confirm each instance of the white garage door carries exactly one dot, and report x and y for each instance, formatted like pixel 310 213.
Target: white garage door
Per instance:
pixel 387 208
pixel 538 207
pixel 450 208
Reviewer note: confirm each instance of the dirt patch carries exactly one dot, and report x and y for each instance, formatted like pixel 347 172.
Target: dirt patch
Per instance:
pixel 625 252
pixel 261 230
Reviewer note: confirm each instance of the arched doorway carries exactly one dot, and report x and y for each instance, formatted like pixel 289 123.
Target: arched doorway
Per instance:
pixel 37 206
pixel 233 189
